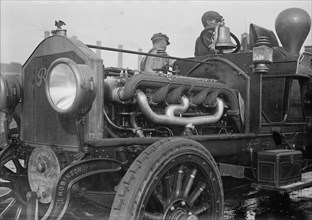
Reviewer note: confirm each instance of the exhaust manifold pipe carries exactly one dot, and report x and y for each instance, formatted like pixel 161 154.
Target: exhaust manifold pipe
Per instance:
pixel 169 116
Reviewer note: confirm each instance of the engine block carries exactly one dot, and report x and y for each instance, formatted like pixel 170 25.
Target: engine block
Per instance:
pixel 161 105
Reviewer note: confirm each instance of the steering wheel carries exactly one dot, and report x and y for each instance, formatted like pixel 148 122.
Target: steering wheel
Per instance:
pixel 238 45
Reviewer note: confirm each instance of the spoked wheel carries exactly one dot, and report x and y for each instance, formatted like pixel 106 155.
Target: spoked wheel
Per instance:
pixel 13 184
pixel 172 179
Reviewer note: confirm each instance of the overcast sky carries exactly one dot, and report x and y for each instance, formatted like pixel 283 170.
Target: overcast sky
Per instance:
pixel 130 23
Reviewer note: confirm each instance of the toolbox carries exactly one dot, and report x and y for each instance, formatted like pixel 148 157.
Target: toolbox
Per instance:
pixel 279 167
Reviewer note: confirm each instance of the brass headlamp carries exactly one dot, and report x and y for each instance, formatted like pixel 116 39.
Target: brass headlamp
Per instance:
pixel 70 87
pixel 10 92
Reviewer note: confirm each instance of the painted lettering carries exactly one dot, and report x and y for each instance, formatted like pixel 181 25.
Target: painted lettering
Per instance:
pixel 41 76
pixel 60 193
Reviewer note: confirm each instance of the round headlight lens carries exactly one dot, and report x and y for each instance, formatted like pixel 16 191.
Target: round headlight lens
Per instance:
pixel 62 86
pixel 69 87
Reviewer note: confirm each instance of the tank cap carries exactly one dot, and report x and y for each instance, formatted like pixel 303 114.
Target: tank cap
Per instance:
pixel 59 30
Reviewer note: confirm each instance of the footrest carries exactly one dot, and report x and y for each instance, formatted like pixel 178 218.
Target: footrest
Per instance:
pixel 305 182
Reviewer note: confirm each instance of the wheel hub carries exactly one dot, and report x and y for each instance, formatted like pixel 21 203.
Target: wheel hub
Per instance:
pixel 181 214
pixel 43 169
pixel 179 210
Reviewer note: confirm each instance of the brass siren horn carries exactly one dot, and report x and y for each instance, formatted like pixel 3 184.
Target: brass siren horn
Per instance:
pixel 292 27
pixel 224 38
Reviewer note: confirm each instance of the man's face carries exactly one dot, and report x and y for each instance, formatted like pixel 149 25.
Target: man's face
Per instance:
pixel 161 43
pixel 212 23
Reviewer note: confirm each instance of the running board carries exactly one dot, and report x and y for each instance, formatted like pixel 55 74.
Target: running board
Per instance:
pixel 305 182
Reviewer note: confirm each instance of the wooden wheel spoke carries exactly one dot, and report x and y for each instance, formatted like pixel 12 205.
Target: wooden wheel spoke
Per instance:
pixel 7 170
pixel 5 185
pixel 152 216
pixel 7 174
pixel 201 209
pixel 18 165
pixel 8 209
pixel 167 193
pixel 196 193
pixel 18 213
pixel 6 196
pixel 189 182
pixel 6 155
pixel 178 181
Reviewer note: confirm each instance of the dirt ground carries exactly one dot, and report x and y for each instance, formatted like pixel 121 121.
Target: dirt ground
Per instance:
pixel 244 202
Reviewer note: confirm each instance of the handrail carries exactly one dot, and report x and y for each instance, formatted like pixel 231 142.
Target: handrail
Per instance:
pixel 145 54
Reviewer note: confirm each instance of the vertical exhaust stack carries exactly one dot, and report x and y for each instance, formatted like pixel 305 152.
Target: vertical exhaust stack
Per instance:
pixel 119 61
pixel 98 51
pixel 292 27
pixel 139 58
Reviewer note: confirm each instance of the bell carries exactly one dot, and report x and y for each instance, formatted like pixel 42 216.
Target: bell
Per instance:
pixel 224 39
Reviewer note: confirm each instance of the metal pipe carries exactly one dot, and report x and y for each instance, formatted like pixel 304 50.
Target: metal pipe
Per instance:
pixel 196 85
pixel 169 118
pixel 240 72
pixel 137 130
pixel 134 129
pixel 142 53
pixel 154 81
pixel 178 109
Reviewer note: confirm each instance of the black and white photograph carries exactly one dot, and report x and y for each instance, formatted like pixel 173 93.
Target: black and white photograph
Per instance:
pixel 155 110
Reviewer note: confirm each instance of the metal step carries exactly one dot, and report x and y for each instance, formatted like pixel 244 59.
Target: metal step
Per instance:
pixel 306 181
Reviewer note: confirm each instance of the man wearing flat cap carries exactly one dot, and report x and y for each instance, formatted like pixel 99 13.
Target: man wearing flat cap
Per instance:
pixel 210 20
pixel 154 64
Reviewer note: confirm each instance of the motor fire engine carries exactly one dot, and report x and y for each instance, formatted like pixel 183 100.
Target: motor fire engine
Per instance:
pixel 96 142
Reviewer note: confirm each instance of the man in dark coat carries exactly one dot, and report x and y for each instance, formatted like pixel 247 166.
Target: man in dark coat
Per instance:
pixel 160 42
pixel 210 20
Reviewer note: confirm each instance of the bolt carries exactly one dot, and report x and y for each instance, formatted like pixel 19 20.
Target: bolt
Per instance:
pixel 41 167
pixel 44 194
pixel 172 208
pixel 183 203
pixel 31 195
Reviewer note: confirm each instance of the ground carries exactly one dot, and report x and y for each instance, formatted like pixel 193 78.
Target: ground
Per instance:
pixel 244 202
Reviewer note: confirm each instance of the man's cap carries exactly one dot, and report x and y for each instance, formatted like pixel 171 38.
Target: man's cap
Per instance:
pixel 159 36
pixel 210 15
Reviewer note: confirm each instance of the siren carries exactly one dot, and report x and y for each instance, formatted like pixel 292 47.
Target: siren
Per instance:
pixel 292 27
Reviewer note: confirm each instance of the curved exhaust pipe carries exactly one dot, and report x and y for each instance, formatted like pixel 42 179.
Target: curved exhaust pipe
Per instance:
pixel 171 119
